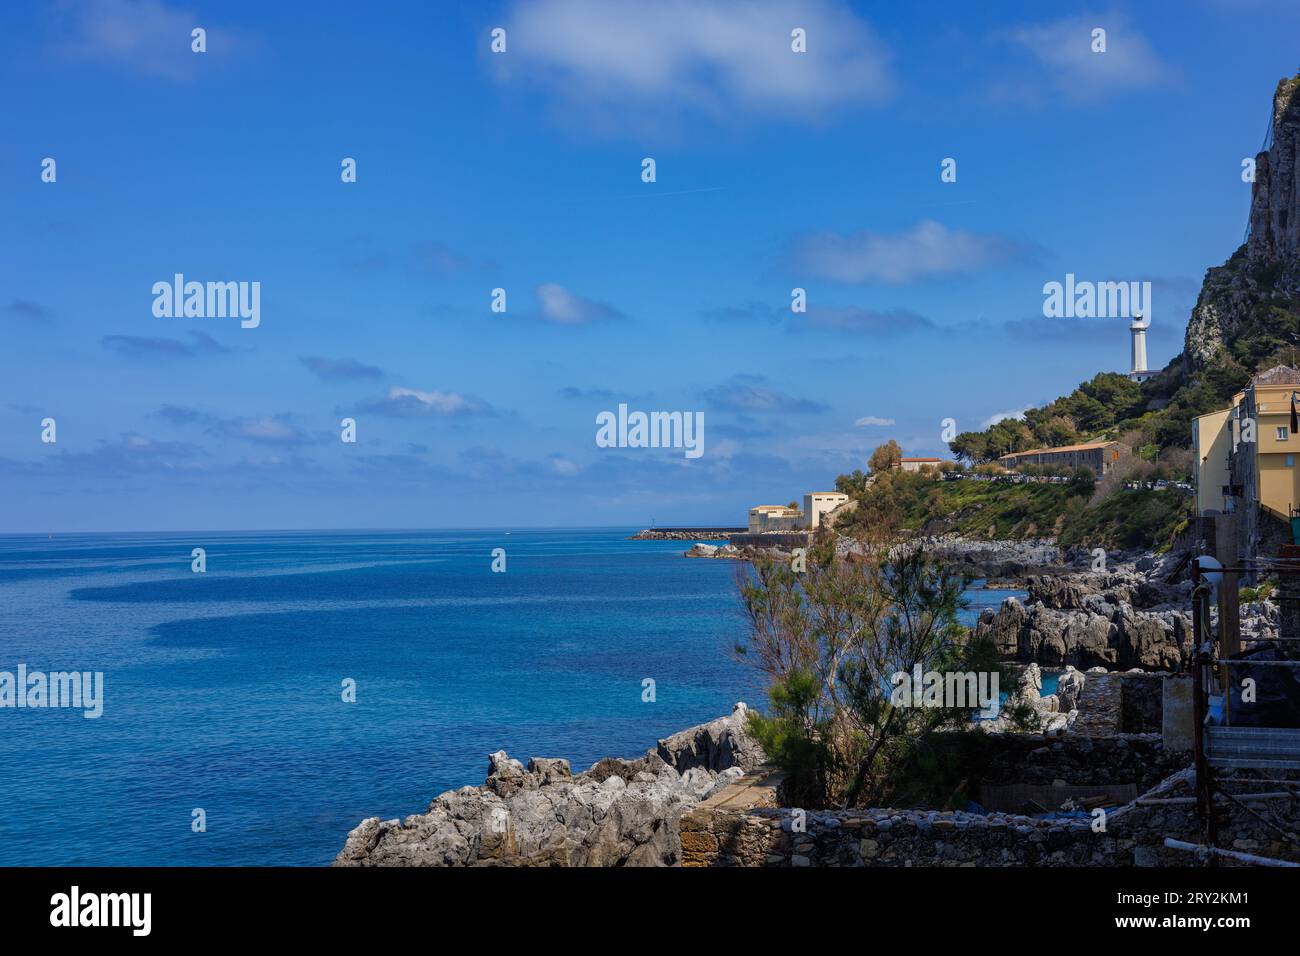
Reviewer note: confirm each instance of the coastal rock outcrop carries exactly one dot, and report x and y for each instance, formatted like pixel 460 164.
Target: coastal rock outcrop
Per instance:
pixel 1053 714
pixel 1068 688
pixel 685 534
pixel 1112 636
pixel 1129 616
pixel 702 550
pixel 1259 620
pixel 618 813
pixel 1078 591
pixel 719 745
pixel 988 559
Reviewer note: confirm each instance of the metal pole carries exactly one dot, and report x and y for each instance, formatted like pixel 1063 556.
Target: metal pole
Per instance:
pixel 1204 796
pixel 1214 853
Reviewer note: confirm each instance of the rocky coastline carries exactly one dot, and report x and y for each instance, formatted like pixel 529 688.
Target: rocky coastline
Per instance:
pixel 685 534
pixel 617 813
pixel 1000 559
pixel 1126 617
pixel 1004 561
pixel 1113 635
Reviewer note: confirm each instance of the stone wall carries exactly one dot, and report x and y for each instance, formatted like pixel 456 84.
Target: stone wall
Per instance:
pixel 1139 759
pixel 784 837
pixel 1141 703
pixel 713 835
pixel 779 540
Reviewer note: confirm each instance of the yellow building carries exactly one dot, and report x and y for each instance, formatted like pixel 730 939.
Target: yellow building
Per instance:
pixel 1275 445
pixel 1211 450
pixel 1262 482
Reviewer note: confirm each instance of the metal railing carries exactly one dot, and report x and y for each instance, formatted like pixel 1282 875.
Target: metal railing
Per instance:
pixel 1221 745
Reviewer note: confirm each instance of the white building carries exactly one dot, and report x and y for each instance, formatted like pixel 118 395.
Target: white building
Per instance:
pixel 784 518
pixel 774 518
pixel 817 503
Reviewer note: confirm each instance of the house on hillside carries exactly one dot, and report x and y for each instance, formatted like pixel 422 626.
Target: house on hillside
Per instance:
pixel 1102 457
pixel 916 464
pixel 1245 460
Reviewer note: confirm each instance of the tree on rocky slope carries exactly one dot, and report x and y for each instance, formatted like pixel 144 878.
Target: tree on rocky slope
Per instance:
pixel 885 457
pixel 828 642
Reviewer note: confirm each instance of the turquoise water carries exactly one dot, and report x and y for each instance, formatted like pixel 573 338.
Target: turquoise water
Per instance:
pixel 223 690
pixel 978 599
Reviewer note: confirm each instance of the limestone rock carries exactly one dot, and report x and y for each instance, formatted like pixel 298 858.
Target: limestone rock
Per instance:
pixel 716 746
pixel 1122 637
pixel 618 813
pixel 1068 688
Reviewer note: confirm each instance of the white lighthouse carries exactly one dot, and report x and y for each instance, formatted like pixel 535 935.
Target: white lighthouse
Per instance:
pixel 1139 372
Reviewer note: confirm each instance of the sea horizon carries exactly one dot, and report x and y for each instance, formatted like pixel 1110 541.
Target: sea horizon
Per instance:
pixel 358 530
pixel 223 689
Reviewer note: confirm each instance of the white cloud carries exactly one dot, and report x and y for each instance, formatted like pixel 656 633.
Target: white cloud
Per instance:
pixel 445 403
pixel 415 403
pixel 562 306
pixel 1064 49
pixel 928 248
pixel 724 448
pixel 145 36
pixel 873 420
pixel 627 63
pixel 751 393
pixel 993 419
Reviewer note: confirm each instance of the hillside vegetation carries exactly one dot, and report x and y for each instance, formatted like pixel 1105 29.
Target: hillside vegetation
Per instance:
pixel 1155 418
pixel 903 503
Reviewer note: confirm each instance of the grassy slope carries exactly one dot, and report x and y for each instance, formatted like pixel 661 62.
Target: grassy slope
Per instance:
pixel 1130 519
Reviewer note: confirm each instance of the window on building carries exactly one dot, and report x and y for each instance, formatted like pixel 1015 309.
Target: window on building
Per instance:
pixel 1281 432
pixel 1290 461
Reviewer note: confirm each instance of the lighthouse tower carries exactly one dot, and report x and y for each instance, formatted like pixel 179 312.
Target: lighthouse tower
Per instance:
pixel 1139 372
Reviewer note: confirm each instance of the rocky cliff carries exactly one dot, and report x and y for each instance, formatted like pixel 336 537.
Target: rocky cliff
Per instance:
pixel 1247 306
pixel 1275 200
pixel 618 813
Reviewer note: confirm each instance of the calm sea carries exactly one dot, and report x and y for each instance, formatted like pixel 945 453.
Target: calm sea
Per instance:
pixel 224 690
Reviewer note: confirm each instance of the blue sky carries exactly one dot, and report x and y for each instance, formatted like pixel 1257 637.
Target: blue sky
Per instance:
pixel 522 171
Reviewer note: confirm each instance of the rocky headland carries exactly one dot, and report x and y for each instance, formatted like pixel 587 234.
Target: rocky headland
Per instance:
pixel 618 813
